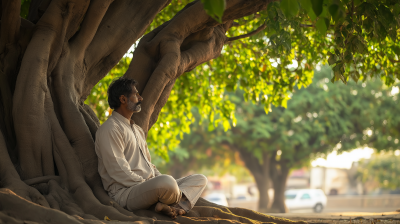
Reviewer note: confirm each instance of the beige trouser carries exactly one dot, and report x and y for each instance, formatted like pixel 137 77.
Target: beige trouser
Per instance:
pixel 165 189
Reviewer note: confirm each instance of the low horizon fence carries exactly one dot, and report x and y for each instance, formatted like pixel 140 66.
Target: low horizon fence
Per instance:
pixel 364 201
pixel 338 201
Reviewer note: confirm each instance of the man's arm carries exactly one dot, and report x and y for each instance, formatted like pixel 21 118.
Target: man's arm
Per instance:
pixel 110 148
pixel 156 172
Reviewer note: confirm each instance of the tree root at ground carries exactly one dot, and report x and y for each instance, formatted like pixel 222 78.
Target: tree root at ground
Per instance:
pixel 15 209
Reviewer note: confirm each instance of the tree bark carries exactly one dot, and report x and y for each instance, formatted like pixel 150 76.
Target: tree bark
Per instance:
pixel 261 173
pixel 264 200
pixel 48 66
pixel 279 174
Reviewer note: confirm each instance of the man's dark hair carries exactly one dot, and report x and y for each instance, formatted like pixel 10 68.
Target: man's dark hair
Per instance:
pixel 118 87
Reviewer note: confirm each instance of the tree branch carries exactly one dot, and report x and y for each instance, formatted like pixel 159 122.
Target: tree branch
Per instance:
pixel 199 48
pixel 94 15
pixel 37 9
pixel 10 22
pixel 311 25
pixel 251 162
pixel 189 39
pixel 306 25
pixel 115 35
pixel 248 34
pixel 160 103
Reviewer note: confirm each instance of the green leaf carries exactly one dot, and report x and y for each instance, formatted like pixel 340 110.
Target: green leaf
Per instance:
pixel 333 10
pixel 348 56
pixel 306 4
pixel 360 46
pixel 393 34
pixel 332 58
pixel 396 9
pixel 385 16
pixel 366 9
pixel 25 8
pixel 317 6
pixel 322 25
pixel 396 50
pixel 355 76
pixel 380 30
pixel 214 8
pixel 337 11
pixel 290 8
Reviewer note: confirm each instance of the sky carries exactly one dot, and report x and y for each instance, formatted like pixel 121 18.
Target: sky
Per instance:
pixel 343 160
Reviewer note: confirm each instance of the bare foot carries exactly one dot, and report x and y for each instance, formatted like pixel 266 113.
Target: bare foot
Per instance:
pixel 166 210
pixel 179 210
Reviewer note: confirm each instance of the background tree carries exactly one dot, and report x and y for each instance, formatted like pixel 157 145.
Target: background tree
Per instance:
pixel 52 57
pixel 380 171
pixel 319 119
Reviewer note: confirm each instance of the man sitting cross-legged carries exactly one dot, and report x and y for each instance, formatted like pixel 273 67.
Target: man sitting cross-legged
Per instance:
pixel 125 165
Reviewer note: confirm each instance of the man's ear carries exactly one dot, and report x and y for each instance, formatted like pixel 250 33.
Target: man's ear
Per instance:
pixel 122 99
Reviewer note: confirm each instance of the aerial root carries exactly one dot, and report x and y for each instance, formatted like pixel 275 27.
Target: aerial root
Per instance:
pixel 43 179
pixel 243 212
pixel 11 204
pixel 62 200
pixel 11 212
pixel 4 218
pixel 248 214
pixel 221 215
pixel 206 211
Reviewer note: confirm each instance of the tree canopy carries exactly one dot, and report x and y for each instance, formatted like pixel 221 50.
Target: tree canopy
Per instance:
pixel 357 38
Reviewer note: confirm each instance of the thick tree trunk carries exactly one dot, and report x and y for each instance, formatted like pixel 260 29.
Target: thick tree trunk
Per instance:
pixel 48 66
pixel 264 200
pixel 280 173
pixel 261 173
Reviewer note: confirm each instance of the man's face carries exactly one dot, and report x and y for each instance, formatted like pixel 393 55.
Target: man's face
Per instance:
pixel 134 101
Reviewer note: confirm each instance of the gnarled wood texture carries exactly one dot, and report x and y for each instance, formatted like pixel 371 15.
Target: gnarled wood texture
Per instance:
pixel 49 64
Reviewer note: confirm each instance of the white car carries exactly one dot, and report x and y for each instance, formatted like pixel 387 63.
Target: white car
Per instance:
pixel 217 198
pixel 305 199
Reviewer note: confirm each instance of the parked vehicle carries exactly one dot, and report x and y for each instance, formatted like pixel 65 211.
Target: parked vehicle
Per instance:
pixel 217 198
pixel 305 199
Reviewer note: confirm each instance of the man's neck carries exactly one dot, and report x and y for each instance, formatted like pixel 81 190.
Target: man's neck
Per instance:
pixel 126 113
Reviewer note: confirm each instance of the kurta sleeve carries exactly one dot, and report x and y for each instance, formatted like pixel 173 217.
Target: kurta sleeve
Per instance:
pixel 156 172
pixel 110 145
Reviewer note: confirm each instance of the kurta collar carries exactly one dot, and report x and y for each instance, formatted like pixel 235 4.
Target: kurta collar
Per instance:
pixel 122 118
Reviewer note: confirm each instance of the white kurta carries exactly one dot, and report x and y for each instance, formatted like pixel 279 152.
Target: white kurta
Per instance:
pixel 124 163
pixel 121 161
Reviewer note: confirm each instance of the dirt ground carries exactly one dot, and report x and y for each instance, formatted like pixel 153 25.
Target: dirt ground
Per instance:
pixel 344 217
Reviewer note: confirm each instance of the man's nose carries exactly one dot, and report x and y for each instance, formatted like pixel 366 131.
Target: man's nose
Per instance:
pixel 140 98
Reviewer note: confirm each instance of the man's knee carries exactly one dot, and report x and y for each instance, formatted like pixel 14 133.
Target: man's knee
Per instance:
pixel 169 192
pixel 167 182
pixel 202 180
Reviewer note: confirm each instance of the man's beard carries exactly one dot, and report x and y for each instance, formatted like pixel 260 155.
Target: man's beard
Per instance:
pixel 134 107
